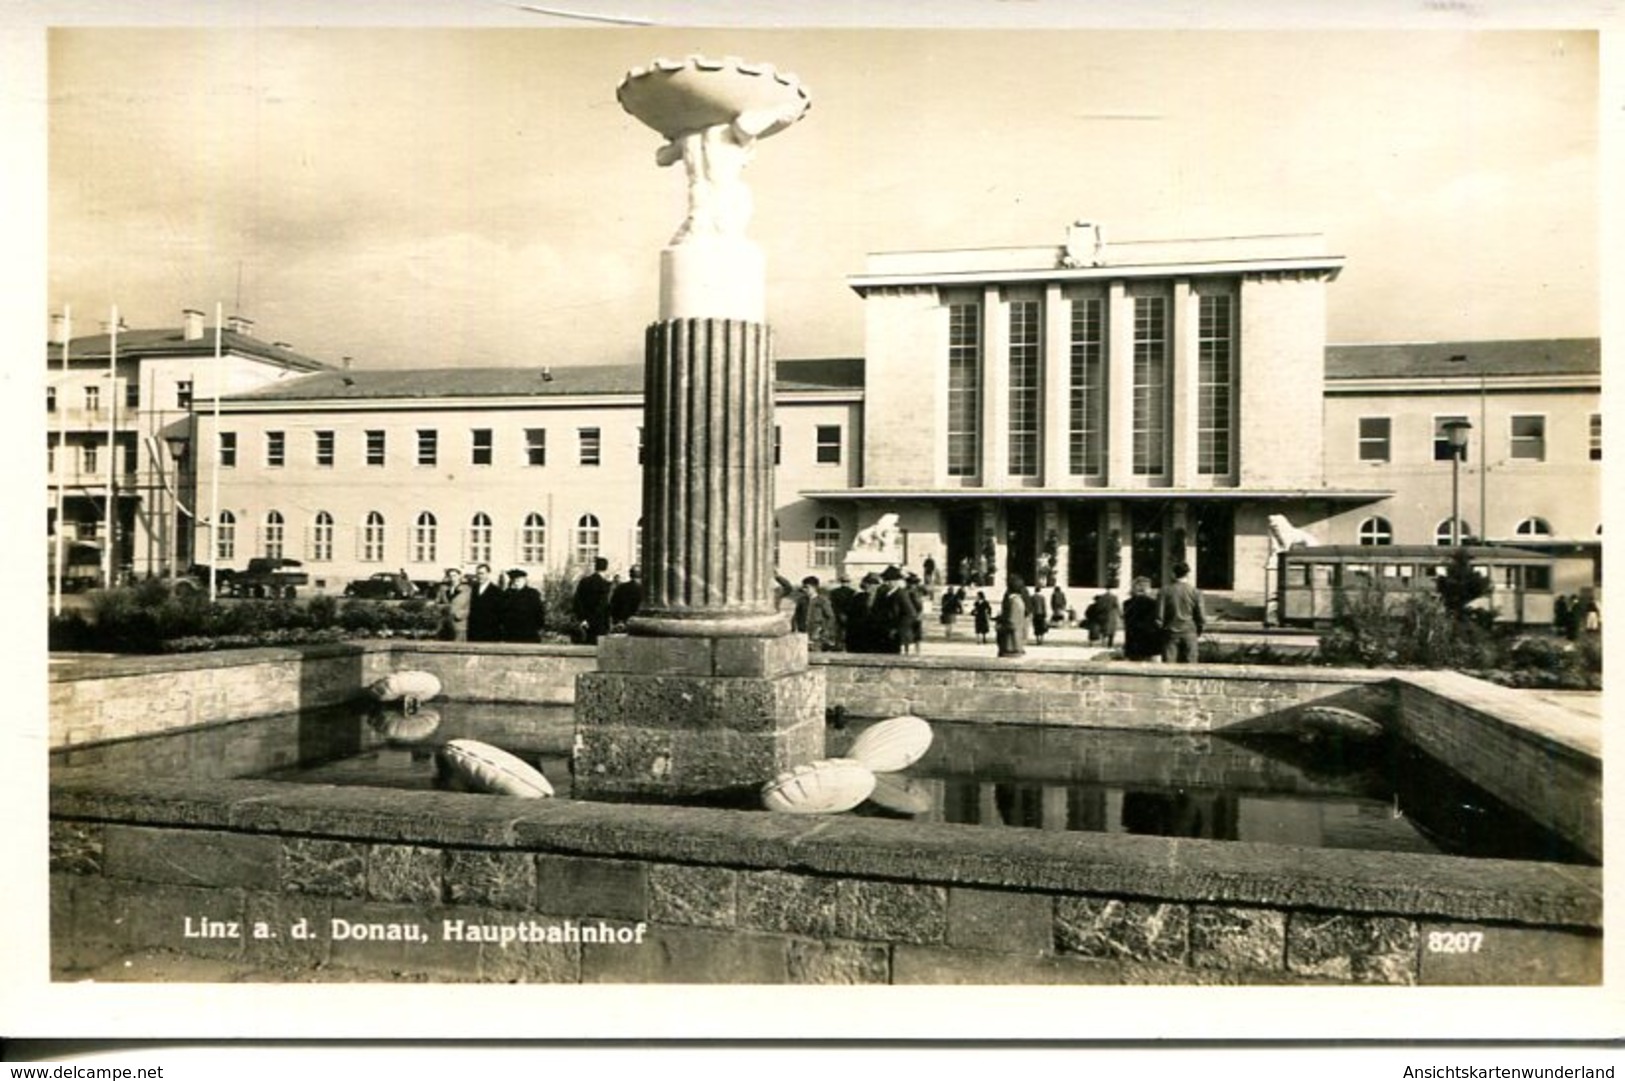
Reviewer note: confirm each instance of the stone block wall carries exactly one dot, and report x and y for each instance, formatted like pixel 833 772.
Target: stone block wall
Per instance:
pixel 273 884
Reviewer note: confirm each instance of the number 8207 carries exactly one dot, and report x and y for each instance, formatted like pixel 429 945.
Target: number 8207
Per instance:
pixel 1455 941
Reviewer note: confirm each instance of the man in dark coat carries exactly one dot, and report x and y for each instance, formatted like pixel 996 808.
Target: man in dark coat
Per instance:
pixel 524 613
pixel 626 598
pixel 485 607
pixel 840 599
pixel 591 602
pixel 814 616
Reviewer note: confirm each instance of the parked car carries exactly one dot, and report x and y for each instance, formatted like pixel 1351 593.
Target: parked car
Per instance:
pixel 383 586
pixel 267 576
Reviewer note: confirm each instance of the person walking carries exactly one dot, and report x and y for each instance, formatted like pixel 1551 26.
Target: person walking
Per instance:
pixel 524 613
pixel 814 616
pixel 1060 613
pixel 953 603
pixel 899 616
pixel 1179 610
pixel 453 597
pixel 1015 618
pixel 1108 617
pixel 1040 611
pixel 840 599
pixel 982 617
pixel 1142 635
pixel 626 598
pixel 485 607
pixel 863 614
pixel 590 604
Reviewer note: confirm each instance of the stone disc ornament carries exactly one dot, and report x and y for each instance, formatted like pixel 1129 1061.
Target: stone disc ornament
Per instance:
pixel 893 744
pixel 404 727
pixel 416 685
pixel 901 795
pixel 828 786
pixel 676 97
pixel 468 765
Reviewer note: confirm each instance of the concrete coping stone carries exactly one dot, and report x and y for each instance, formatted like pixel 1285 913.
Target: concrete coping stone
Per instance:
pixel 1168 869
pixel 1527 717
pixel 1266 673
pixel 75 667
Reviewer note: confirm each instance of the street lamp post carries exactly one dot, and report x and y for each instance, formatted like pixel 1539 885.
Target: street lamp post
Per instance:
pixel 1456 431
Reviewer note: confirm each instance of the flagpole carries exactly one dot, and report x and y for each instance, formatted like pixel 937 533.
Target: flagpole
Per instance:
pixel 214 482
pixel 57 467
pixel 112 435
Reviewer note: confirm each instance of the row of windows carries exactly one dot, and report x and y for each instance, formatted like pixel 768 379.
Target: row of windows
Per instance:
pixel 1380 531
pixel 1526 438
pixel 482 446
pixel 424 543
pixel 132 396
pixel 1150 386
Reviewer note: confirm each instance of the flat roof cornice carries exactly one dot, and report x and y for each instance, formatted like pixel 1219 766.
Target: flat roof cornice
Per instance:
pixel 875 495
pixel 1329 266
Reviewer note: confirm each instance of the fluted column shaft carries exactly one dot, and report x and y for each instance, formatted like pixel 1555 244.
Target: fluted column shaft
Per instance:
pixel 708 479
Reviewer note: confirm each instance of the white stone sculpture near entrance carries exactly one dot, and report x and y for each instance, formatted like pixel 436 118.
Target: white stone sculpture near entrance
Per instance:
pixel 1284 536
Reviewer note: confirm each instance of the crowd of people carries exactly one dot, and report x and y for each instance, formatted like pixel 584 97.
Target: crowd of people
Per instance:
pixel 482 607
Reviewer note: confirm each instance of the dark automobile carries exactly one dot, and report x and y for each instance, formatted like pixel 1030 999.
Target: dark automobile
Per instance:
pixel 383 586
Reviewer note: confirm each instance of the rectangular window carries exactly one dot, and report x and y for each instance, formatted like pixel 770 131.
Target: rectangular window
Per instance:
pixel 828 449
pixel 1596 437
pixel 89 458
pixel 132 460
pixel 228 450
pixel 93 399
pixel 324 447
pixel 591 445
pixel 276 448
pixel 1375 439
pixel 375 447
pixel 1214 374
pixel 535 446
pixel 428 446
pixel 1529 438
pixel 132 394
pixel 50 455
pixel 1150 385
pixel 1087 393
pixel 1442 451
pixel 778 445
pixel 481 446
pixel 640 444
pixel 183 394
pixel 1026 361
pixel 964 389
pixel 50 399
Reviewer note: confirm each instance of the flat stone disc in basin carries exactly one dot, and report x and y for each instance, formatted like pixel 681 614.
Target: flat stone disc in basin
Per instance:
pixel 676 97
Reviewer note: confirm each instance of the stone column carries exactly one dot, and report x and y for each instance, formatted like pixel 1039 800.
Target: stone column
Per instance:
pixel 709 695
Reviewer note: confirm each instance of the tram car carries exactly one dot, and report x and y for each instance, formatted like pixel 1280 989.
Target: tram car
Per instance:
pixel 1311 583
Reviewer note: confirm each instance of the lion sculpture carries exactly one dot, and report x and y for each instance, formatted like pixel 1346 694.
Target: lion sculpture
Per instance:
pixel 1284 536
pixel 880 537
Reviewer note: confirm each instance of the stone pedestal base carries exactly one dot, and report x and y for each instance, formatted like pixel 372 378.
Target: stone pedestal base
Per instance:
pixel 695 716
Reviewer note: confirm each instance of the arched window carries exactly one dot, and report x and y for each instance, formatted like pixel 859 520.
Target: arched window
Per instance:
pixel 776 559
pixel 274 534
pixel 637 544
pixel 826 541
pixel 1534 527
pixel 1441 532
pixel 1376 531
pixel 533 540
pixel 321 538
pixel 372 538
pixel 425 538
pixel 225 537
pixel 587 540
pixel 479 538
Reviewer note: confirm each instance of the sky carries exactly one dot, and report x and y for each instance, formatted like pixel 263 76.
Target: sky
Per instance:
pixel 416 197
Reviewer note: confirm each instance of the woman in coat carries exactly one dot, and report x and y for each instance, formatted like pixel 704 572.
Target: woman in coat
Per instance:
pixel 1142 634
pixel 982 615
pixel 1015 618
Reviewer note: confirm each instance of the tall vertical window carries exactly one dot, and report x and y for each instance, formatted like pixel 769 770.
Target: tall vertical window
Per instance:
pixel 228 450
pixel 276 449
pixel 375 447
pixel 479 538
pixel 93 399
pixel 1026 361
pixel 183 394
pixel 533 539
pixel 372 538
pixel 826 542
pixel 964 389
pixel 275 534
pixel 321 538
pixel 50 399
pixel 428 446
pixel 132 458
pixel 132 394
pixel 1087 397
pixel 778 445
pixel 1529 438
pixel 481 445
pixel 1376 439
pixel 828 448
pixel 1150 385
pixel 587 540
pixel 51 442
pixel 324 447
pixel 225 536
pixel 1596 437
pixel 535 446
pixel 90 458
pixel 591 445
pixel 425 538
pixel 1214 373
pixel 640 445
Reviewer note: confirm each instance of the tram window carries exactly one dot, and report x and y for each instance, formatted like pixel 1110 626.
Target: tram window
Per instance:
pixel 1323 574
pixel 1507 577
pixel 1355 572
pixel 1537 578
